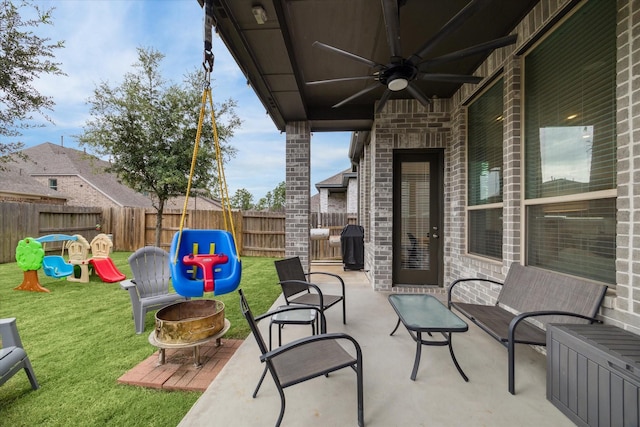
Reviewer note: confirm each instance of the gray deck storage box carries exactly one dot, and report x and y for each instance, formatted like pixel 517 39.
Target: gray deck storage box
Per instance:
pixel 593 374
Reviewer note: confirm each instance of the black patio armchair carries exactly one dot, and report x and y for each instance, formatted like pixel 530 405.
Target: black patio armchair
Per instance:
pixel 297 289
pixel 305 358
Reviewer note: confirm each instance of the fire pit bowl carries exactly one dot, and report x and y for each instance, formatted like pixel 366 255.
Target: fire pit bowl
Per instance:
pixel 189 321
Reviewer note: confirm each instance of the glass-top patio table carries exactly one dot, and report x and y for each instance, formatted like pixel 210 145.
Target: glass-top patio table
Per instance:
pixel 424 313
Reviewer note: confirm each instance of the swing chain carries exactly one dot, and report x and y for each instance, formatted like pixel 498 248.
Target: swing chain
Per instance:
pixel 207 62
pixel 206 84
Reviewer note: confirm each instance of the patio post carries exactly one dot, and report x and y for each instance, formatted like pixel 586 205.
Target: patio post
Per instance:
pixel 298 188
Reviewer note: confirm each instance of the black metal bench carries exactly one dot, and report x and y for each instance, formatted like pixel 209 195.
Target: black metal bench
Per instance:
pixel 528 293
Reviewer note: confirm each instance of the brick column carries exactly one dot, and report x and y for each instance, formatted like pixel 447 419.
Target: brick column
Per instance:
pixel 512 153
pixel 298 183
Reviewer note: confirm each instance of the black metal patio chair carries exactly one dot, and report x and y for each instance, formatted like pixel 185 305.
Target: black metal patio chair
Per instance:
pixel 305 358
pixel 297 289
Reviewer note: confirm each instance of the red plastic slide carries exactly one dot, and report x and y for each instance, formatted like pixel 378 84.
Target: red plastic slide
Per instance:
pixel 107 271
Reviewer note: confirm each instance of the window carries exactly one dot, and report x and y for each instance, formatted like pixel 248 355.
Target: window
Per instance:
pixel 53 184
pixel 484 123
pixel 570 145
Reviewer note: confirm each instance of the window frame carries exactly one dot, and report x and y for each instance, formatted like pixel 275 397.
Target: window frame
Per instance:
pixel 585 196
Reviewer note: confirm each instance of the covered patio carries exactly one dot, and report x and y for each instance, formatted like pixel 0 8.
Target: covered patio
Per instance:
pixel 438 397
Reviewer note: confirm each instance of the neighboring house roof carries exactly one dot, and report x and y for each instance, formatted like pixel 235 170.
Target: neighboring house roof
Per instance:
pixel 315 202
pixel 52 160
pixel 199 202
pixel 338 182
pixel 49 159
pixel 16 183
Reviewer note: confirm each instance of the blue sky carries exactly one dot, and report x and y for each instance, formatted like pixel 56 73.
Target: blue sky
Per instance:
pixel 101 37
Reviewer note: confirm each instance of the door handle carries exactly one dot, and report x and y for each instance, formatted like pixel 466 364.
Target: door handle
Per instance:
pixel 435 236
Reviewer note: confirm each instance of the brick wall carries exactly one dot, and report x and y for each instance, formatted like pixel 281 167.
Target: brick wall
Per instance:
pixel 406 124
pixel 77 191
pixel 402 124
pixel 624 308
pixel 298 179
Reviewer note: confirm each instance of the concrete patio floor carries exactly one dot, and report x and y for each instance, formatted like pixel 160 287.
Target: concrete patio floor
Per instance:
pixel 438 397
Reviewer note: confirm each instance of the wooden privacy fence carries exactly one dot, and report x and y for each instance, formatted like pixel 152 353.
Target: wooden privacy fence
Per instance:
pixel 257 233
pixel 263 234
pixel 335 222
pixel 20 220
pixel 133 228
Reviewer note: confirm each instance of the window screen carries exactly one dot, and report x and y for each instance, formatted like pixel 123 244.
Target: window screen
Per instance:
pixel 575 238
pixel 485 139
pixel 570 114
pixel 485 147
pixel 485 232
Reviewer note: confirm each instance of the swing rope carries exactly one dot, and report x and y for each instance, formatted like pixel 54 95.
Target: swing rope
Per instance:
pixel 192 169
pixel 224 191
pixel 222 180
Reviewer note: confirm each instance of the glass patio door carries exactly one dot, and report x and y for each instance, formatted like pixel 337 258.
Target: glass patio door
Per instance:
pixel 416 213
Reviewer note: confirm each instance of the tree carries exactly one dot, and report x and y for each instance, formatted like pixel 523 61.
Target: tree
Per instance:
pixel 279 197
pixel 264 204
pixel 242 199
pixel 273 200
pixel 24 56
pixel 148 128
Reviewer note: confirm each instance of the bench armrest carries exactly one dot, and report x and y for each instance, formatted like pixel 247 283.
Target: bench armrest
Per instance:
pixel 469 279
pixel 520 317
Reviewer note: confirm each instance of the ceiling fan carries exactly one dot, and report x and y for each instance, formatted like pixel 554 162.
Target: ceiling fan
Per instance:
pixel 401 73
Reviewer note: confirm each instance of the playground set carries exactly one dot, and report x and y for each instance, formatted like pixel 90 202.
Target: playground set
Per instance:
pixel 31 256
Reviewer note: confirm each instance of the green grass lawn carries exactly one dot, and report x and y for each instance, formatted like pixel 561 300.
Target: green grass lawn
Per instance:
pixel 80 339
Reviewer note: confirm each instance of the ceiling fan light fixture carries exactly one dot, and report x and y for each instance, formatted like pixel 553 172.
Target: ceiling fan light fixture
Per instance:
pixel 398 84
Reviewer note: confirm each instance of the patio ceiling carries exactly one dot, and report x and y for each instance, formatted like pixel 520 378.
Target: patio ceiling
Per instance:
pixel 278 59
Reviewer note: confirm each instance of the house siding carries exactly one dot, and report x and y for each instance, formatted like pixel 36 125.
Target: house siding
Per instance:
pixel 624 309
pixel 405 124
pixel 77 191
pixel 402 124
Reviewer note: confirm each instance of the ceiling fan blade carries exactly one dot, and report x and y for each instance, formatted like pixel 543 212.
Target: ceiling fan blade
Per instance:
pixel 417 94
pixel 473 50
pixel 349 55
pixel 341 79
pixel 453 78
pixel 391 16
pixel 448 28
pixel 383 100
pixel 358 94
